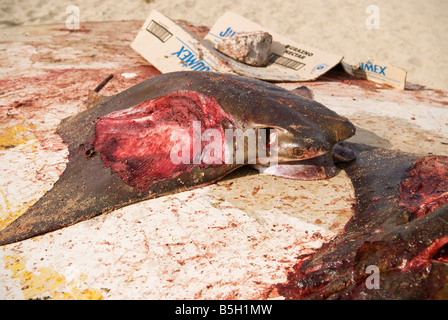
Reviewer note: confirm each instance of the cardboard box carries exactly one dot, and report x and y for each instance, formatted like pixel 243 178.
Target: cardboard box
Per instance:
pixel 292 59
pixel 378 71
pixel 170 47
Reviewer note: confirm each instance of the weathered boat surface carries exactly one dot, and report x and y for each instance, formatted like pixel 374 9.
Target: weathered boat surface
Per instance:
pixel 236 239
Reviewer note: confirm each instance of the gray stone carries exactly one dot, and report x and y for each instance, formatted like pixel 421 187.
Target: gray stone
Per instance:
pixel 251 48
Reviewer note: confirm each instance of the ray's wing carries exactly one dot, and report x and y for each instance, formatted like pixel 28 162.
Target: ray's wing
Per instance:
pixel 118 156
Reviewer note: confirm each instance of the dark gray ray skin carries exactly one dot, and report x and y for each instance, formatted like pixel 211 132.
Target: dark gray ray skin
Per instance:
pixel 381 233
pixel 317 168
pixel 87 188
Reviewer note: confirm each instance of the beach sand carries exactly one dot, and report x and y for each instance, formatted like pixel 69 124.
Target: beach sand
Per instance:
pixel 412 34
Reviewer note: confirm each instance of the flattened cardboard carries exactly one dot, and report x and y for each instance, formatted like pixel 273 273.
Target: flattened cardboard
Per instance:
pixel 169 47
pixel 377 71
pixel 286 56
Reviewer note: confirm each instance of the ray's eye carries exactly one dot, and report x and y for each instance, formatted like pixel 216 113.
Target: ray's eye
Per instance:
pixel 227 124
pixel 297 151
pixel 270 135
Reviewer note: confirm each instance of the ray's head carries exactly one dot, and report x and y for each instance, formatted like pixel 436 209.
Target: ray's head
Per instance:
pixel 309 139
pixel 306 143
pixel 304 128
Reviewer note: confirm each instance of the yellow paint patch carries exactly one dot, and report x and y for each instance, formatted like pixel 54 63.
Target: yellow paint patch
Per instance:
pixel 47 283
pixel 11 137
pixel 8 212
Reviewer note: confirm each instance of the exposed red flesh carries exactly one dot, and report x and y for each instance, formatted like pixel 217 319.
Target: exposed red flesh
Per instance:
pixel 425 257
pixel 410 255
pixel 136 142
pixel 426 186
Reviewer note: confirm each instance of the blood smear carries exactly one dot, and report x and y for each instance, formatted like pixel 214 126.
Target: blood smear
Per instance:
pixel 426 186
pixel 136 142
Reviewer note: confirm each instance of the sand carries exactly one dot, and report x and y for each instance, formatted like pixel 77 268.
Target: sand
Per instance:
pixel 412 34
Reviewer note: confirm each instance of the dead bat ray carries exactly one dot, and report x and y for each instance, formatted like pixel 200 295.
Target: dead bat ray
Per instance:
pixel 120 149
pixel 396 244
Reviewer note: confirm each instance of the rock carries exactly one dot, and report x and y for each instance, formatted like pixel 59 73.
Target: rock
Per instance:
pixel 249 47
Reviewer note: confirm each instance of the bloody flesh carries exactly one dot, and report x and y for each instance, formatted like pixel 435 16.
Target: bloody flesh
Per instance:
pixel 409 254
pixel 136 143
pixel 426 187
pixel 106 172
